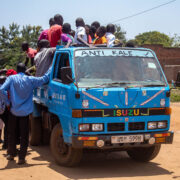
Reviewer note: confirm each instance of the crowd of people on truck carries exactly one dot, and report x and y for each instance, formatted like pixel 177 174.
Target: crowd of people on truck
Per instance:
pixel 16 87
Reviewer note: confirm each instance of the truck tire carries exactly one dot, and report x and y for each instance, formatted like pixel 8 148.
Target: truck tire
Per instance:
pixel 64 154
pixel 35 131
pixel 144 154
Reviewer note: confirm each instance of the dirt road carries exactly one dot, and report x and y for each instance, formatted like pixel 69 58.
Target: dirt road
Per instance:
pixel 40 164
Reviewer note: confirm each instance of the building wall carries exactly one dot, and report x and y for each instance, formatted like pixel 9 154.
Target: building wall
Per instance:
pixel 169 59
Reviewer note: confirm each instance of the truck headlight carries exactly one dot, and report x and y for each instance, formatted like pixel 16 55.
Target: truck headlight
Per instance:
pixel 97 127
pixel 162 124
pixel 84 127
pixel 152 125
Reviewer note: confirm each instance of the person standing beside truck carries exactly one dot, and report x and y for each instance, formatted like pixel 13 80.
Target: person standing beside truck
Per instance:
pixel 20 88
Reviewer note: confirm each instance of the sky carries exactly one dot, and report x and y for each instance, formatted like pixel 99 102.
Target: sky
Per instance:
pixel 38 12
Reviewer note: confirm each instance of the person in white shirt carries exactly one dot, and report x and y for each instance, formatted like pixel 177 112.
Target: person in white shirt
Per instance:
pixel 110 35
pixel 80 34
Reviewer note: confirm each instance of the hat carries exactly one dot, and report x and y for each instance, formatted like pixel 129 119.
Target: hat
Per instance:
pixel 11 72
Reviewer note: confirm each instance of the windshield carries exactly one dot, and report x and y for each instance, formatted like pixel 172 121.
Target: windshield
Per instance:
pixel 117 69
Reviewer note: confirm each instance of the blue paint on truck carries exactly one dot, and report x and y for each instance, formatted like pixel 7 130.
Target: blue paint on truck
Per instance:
pixel 116 98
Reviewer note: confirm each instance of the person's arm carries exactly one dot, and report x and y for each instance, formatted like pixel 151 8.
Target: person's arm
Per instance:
pixel 39 81
pixel 26 62
pixel 2 71
pixel 3 90
pixel 30 70
pixel 80 39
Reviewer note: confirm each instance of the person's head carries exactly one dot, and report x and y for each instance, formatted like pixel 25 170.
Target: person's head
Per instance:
pixel 96 24
pixel 92 31
pixel 80 22
pixel 87 28
pixel 43 43
pixel 58 19
pixel 130 43
pixel 51 22
pixel 72 33
pixel 101 31
pixel 66 28
pixel 21 68
pixel 25 46
pixel 111 28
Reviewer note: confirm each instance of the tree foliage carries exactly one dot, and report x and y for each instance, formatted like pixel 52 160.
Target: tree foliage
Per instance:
pixel 153 37
pixel 120 34
pixel 176 40
pixel 10 43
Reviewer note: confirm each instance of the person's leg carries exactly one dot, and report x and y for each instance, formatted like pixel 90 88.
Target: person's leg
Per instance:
pixel 5 117
pixel 12 135
pixel 24 134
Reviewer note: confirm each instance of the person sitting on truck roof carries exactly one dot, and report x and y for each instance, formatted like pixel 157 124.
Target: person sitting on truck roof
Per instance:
pixel 110 35
pixel 54 33
pixel 101 39
pixel 89 39
pixel 96 24
pixel 29 52
pixel 21 89
pixel 66 38
pixel 92 33
pixel 44 57
pixel 80 34
pixel 130 43
pixel 44 33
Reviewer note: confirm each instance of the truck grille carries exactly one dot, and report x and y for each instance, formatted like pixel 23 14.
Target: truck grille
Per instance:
pixel 134 126
pixel 116 126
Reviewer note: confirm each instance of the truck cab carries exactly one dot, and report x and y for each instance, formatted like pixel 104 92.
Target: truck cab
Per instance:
pixel 103 98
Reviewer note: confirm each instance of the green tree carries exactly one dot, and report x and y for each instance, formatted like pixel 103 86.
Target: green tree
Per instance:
pixel 153 37
pixel 120 34
pixel 176 40
pixel 10 43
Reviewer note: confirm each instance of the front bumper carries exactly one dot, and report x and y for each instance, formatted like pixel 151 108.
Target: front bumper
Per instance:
pixel 79 141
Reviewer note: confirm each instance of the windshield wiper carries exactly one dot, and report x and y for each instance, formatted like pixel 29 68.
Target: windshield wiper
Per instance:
pixel 154 85
pixel 109 84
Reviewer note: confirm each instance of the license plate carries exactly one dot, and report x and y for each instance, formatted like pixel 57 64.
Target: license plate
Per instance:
pixel 127 139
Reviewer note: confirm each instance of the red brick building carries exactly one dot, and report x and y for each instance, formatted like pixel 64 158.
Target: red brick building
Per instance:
pixel 169 59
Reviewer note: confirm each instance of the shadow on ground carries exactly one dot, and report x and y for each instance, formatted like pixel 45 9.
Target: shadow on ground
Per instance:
pixel 101 165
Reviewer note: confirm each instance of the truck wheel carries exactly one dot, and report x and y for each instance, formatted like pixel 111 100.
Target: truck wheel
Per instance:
pixel 63 153
pixel 35 131
pixel 144 154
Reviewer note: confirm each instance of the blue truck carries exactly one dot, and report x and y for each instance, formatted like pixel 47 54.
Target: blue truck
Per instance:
pixel 105 99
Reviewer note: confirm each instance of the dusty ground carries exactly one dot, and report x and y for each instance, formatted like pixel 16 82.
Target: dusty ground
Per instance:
pixel 40 164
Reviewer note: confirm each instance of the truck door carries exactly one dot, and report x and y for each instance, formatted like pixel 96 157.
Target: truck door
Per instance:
pixel 58 92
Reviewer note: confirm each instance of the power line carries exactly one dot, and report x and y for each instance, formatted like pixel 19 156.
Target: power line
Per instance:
pixel 142 12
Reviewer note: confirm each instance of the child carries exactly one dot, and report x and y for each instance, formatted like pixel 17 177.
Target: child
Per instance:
pixel 110 35
pixel 80 34
pixel 89 39
pixel 101 39
pixel 55 31
pixel 92 33
pixel 29 52
pixel 96 24
pixel 66 38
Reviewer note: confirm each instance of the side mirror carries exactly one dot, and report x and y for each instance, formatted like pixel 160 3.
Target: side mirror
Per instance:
pixel 66 75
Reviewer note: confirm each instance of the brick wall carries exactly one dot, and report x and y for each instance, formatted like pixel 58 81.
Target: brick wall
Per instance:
pixel 169 59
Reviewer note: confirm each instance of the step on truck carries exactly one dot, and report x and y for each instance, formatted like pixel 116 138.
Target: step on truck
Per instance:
pixel 104 99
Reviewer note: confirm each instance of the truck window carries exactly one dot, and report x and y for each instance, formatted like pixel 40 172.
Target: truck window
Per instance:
pixel 62 60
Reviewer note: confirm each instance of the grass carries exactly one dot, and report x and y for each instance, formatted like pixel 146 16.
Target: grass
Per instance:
pixel 175 95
